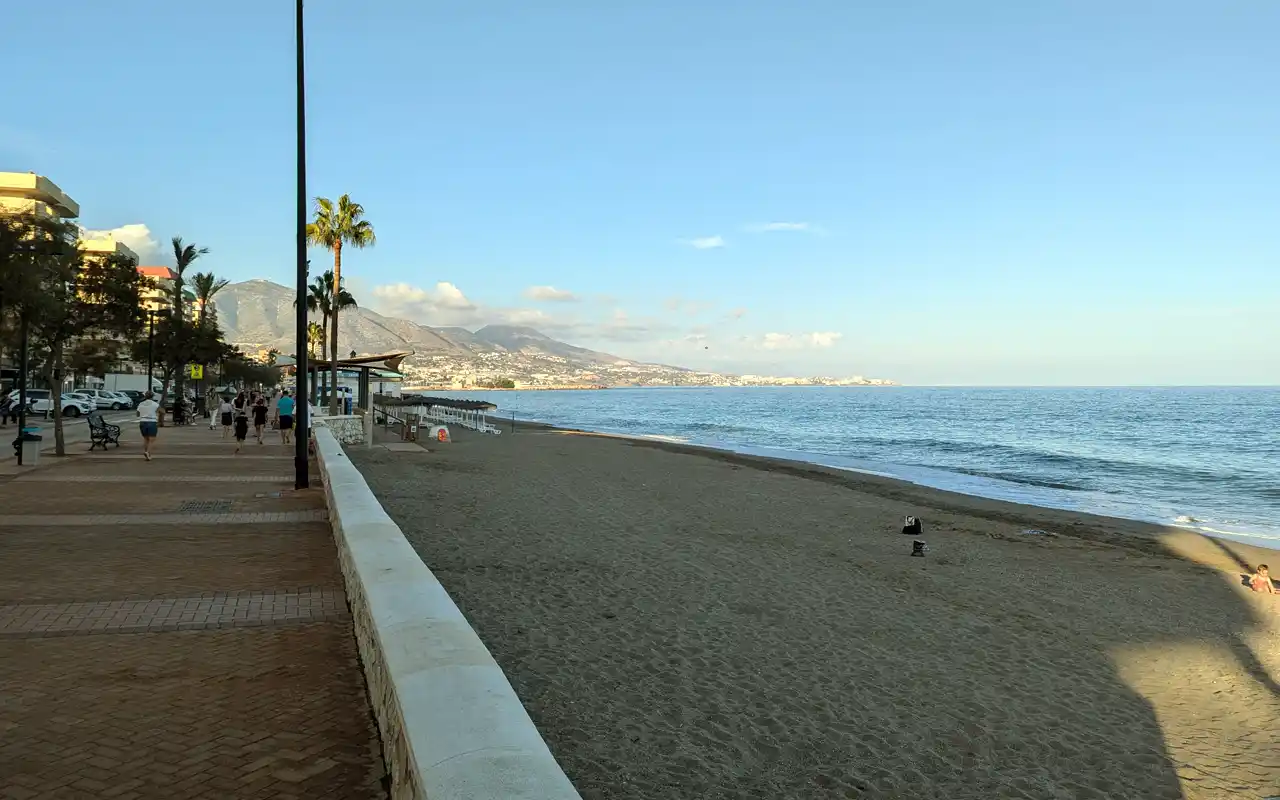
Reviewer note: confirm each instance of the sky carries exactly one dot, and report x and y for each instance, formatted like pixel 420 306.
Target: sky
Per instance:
pixel 1064 192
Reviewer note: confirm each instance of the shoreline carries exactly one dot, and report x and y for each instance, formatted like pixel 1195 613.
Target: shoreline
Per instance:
pixel 962 501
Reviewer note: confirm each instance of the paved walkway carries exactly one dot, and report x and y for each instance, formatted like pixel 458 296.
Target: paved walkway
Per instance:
pixel 176 628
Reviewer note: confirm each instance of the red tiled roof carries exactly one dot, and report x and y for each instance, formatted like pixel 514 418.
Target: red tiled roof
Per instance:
pixel 157 272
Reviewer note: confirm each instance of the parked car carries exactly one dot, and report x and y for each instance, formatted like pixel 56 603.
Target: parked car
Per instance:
pixel 72 406
pixel 101 398
pixel 134 395
pixel 124 398
pixel 83 397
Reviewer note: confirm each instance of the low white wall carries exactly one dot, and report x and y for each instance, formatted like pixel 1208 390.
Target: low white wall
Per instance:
pixel 452 727
pixel 347 428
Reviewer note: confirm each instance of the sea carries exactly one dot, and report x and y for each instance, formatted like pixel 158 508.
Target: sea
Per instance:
pixel 1205 459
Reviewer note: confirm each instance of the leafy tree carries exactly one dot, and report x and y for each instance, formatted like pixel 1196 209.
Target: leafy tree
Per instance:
pixel 93 356
pixel 184 255
pixel 241 370
pixel 333 226
pixel 178 342
pixel 68 298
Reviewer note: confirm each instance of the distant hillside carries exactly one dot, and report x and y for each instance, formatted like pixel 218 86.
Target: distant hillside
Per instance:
pixel 261 313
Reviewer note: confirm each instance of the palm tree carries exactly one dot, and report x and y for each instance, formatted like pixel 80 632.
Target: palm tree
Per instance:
pixel 320 301
pixel 333 226
pixel 315 336
pixel 184 255
pixel 206 285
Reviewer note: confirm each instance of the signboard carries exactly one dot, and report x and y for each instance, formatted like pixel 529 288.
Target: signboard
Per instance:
pixel 196 371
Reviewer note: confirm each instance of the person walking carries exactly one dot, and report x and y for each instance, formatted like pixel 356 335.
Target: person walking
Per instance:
pixel 7 403
pixel 284 407
pixel 241 419
pixel 148 423
pixel 260 418
pixel 226 415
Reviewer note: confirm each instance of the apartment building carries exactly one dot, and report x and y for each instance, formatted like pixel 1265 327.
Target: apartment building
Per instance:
pixel 27 193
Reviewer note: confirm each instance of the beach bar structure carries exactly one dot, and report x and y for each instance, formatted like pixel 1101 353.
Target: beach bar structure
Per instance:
pixel 413 408
pixel 382 368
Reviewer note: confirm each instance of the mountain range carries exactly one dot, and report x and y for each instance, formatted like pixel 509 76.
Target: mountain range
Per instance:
pixel 260 314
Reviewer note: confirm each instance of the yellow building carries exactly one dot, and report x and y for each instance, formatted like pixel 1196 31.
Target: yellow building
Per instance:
pixel 106 245
pixel 27 192
pixel 158 296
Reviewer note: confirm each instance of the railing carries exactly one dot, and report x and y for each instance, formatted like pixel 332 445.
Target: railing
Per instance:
pixel 472 420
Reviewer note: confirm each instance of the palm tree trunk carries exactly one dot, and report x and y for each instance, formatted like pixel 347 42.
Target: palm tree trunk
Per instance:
pixel 333 312
pixel 178 383
pixel 315 370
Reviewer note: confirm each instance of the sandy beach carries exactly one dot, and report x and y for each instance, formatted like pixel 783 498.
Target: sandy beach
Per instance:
pixel 684 623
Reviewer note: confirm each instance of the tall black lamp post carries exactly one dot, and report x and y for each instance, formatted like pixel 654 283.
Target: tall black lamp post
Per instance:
pixel 301 409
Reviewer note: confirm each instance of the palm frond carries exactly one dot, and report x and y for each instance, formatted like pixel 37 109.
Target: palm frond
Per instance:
pixel 340 223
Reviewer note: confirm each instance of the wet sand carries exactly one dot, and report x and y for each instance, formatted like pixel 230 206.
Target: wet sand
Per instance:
pixel 687 623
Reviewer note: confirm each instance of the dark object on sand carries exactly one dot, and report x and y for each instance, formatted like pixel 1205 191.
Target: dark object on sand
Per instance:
pixel 919 548
pixel 912 526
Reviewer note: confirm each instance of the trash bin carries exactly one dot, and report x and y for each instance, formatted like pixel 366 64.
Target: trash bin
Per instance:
pixel 30 441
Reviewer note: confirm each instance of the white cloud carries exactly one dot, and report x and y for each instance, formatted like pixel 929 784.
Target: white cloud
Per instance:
pixel 774 227
pixel 796 341
pixel 446 305
pixel 550 294
pixel 135 236
pixel 670 337
pixel 443 305
pixel 676 304
pixel 706 242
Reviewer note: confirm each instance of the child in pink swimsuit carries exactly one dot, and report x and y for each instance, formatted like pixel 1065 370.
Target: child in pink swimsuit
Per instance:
pixel 1261 580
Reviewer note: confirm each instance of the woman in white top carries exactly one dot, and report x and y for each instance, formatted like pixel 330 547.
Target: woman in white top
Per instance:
pixel 225 413
pixel 148 423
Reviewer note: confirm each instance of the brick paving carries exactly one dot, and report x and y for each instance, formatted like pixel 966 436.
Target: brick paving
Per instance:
pixel 151 653
pixel 216 610
pixel 62 477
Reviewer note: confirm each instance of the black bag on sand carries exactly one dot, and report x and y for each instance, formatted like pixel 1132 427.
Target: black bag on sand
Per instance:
pixel 913 526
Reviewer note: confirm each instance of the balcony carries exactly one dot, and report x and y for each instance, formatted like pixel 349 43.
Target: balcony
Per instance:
pixel 42 194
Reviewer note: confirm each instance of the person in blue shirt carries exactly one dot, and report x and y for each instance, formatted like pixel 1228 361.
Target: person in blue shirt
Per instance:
pixel 285 406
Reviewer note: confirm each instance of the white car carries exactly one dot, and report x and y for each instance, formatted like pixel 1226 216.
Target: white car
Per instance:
pixel 72 406
pixel 101 398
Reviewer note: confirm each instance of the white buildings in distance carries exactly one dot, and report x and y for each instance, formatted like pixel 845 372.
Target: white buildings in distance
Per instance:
pixel 542 370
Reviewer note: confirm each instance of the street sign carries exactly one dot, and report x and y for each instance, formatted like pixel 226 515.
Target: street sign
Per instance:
pixel 196 371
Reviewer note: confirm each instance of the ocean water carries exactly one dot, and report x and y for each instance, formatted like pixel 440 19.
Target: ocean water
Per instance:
pixel 1206 459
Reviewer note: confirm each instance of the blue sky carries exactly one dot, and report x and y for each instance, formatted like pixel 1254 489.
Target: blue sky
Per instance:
pixel 1071 192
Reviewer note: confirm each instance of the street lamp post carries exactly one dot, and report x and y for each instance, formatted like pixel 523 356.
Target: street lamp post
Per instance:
pixel 301 411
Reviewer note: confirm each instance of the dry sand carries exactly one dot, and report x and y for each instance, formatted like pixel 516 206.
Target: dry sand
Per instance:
pixel 694 624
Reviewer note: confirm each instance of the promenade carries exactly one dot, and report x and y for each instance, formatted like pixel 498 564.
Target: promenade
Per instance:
pixel 176 628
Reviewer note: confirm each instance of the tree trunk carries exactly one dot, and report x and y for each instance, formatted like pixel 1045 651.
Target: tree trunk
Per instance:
pixel 180 395
pixel 333 312
pixel 55 389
